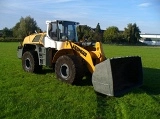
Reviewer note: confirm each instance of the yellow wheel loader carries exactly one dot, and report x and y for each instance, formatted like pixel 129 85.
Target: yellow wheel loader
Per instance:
pixel 59 48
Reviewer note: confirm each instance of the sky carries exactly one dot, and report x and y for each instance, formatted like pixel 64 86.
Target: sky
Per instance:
pixel 119 13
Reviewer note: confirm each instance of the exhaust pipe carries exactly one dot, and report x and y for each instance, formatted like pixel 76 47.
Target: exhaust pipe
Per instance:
pixel 117 76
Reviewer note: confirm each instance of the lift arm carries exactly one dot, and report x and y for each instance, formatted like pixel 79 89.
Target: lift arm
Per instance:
pixel 88 55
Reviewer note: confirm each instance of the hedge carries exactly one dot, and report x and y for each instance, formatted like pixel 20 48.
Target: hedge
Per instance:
pixel 10 39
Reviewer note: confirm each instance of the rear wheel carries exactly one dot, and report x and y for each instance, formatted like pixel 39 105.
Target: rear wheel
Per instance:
pixel 30 62
pixel 68 69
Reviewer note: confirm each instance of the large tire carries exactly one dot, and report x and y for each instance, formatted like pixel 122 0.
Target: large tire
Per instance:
pixel 30 62
pixel 68 69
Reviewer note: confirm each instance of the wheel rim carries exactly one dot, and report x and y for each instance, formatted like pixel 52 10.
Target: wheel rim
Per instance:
pixel 27 63
pixel 64 71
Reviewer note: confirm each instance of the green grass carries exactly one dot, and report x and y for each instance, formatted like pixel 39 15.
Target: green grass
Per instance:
pixel 26 95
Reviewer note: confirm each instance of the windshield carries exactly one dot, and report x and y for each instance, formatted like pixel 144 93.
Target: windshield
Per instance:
pixel 67 30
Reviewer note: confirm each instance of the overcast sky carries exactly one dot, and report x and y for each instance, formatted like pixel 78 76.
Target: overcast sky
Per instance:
pixel 145 13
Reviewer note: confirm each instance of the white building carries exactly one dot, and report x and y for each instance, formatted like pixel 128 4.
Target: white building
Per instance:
pixel 150 39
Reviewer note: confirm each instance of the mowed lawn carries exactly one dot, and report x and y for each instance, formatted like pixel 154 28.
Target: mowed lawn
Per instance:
pixel 25 95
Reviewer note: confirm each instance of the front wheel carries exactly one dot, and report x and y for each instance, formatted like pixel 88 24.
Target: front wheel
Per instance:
pixel 68 69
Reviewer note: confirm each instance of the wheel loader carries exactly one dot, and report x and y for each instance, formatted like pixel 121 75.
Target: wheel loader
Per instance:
pixel 59 48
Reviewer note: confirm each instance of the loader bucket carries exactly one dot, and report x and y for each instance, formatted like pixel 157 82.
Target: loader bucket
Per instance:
pixel 116 76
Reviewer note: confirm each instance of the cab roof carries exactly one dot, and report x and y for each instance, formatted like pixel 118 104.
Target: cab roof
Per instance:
pixel 48 21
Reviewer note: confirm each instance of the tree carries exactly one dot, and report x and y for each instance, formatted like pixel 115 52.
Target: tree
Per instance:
pixel 111 34
pixel 15 30
pixel 132 33
pixel 7 32
pixel 98 35
pixel 84 32
pixel 25 27
pixel 98 28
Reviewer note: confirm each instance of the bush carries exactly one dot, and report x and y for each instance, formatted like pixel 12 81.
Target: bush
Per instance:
pixel 10 39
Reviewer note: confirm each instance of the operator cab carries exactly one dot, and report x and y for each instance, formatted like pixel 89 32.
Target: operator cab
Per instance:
pixel 62 30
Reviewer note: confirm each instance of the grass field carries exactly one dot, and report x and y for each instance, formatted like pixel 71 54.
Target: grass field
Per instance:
pixel 25 95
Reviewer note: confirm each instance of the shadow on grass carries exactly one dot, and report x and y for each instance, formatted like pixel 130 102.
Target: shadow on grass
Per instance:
pixel 151 80
pixel 45 71
pixel 101 105
pixel 151 84
pixel 86 81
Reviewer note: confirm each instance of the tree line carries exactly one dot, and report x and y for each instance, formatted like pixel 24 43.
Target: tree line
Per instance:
pixel 112 34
